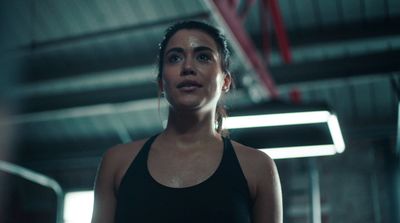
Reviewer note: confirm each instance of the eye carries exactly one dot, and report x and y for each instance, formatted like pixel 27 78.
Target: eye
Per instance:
pixel 203 57
pixel 174 58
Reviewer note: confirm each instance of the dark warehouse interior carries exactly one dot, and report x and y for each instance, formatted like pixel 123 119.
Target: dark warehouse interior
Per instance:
pixel 77 77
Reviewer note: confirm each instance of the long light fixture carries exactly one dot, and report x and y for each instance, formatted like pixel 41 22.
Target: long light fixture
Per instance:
pixel 293 118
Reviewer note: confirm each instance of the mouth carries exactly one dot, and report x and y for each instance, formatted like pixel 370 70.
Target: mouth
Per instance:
pixel 189 85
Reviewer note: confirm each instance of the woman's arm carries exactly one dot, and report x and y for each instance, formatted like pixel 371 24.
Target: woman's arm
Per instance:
pixel 268 200
pixel 104 190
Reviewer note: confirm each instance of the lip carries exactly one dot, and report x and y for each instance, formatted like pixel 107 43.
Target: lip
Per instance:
pixel 188 84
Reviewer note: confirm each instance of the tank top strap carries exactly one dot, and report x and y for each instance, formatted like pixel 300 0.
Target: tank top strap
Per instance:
pixel 230 154
pixel 233 170
pixel 143 153
pixel 141 157
pixel 138 164
pixel 224 197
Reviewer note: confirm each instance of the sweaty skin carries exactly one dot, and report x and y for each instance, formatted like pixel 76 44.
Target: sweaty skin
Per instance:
pixel 193 55
pixel 188 151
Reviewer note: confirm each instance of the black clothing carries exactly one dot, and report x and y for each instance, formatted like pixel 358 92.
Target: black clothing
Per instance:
pixel 223 197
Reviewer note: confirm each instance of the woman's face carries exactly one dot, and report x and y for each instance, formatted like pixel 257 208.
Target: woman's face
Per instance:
pixel 192 76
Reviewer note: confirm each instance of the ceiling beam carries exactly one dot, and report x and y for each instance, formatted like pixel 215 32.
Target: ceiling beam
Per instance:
pixel 37 46
pixel 351 66
pixel 332 34
pixel 127 77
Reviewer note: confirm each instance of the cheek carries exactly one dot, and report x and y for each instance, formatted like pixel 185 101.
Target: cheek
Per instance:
pixel 167 84
pixel 216 84
pixel 220 81
pixel 168 75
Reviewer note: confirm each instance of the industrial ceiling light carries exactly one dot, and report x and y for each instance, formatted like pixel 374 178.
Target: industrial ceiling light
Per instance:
pixel 294 118
pixel 313 133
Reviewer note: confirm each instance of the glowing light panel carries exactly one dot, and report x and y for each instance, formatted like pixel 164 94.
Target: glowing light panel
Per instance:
pixel 295 118
pixel 78 207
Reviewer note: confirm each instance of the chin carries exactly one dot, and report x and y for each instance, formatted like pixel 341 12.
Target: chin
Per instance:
pixel 187 106
pixel 185 102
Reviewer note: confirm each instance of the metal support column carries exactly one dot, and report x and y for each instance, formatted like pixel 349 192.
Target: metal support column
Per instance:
pixel 397 191
pixel 396 171
pixel 395 81
pixel 315 200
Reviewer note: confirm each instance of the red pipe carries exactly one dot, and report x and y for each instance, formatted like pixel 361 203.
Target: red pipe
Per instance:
pixel 280 29
pixel 264 30
pixel 234 23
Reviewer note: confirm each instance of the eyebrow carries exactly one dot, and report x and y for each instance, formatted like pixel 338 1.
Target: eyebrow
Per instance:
pixel 196 49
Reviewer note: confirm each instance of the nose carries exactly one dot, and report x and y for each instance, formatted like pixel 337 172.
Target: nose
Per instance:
pixel 188 68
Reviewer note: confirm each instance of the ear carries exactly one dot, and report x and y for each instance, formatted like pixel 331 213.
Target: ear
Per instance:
pixel 227 82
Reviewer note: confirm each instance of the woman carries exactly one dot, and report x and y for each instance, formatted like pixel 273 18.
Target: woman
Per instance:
pixel 189 172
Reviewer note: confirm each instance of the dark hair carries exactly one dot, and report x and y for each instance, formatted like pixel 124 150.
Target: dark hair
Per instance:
pixel 223 50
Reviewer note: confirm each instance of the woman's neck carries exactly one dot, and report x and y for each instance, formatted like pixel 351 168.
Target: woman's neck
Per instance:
pixel 191 125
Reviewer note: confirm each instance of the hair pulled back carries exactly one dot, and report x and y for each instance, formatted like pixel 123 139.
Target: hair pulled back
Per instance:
pixel 223 51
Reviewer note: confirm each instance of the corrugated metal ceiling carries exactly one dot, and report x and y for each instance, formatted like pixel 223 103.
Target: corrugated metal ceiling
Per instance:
pixel 90 65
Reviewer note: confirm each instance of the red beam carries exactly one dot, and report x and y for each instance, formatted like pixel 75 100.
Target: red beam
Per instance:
pixel 264 30
pixel 280 29
pixel 233 21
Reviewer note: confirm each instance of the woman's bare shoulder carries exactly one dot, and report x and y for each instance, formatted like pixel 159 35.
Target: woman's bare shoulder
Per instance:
pixel 118 158
pixel 258 168
pixel 250 156
pixel 256 165
pixel 120 152
pixel 264 184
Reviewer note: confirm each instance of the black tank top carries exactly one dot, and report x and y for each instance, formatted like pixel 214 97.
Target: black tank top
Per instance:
pixel 223 197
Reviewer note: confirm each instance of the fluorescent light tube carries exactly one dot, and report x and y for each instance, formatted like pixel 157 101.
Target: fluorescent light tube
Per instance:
pixel 300 151
pixel 336 134
pixel 295 118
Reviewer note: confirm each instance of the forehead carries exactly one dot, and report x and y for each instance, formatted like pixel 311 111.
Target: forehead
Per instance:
pixel 191 38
